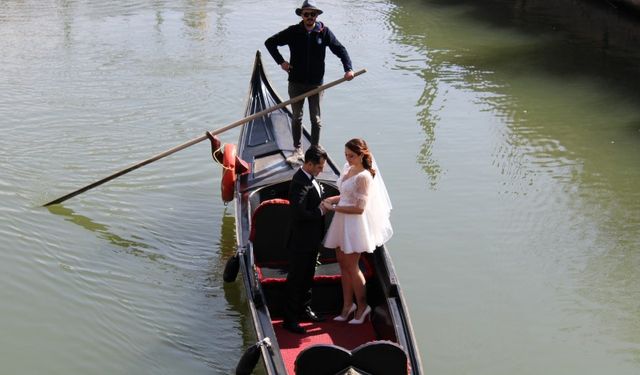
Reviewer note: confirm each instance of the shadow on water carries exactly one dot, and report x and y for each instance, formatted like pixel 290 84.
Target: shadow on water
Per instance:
pixel 572 38
pixel 66 15
pixel 562 76
pixel 132 247
pixel 518 57
pixel 234 291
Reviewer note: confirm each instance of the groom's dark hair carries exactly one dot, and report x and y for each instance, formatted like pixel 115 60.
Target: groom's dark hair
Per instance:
pixel 314 154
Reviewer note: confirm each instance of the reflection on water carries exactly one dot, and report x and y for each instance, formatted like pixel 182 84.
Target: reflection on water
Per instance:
pixel 420 62
pixel 196 16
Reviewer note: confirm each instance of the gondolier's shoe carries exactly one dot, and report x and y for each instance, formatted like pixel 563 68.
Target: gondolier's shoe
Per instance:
pixel 297 157
pixel 294 327
pixel 311 316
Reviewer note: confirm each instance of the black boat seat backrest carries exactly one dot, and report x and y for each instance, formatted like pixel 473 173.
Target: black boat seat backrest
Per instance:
pixel 270 225
pixel 374 358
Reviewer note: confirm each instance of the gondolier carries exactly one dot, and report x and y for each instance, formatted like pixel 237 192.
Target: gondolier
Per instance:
pixel 307 41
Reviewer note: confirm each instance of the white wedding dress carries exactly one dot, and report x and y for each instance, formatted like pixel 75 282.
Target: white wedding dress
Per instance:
pixel 354 233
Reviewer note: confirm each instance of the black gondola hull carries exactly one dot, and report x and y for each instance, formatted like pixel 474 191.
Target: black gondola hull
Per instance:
pixel 264 144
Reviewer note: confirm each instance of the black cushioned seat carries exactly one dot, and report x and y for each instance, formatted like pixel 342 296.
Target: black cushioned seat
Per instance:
pixel 270 226
pixel 375 358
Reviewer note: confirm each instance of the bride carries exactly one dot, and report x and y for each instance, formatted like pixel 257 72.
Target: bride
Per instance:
pixel 360 224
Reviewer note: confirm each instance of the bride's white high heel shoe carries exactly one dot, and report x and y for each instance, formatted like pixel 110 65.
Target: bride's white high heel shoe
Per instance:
pixel 365 314
pixel 341 318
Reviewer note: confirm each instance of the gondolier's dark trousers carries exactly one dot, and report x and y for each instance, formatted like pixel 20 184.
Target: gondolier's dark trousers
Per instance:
pixel 296 89
pixel 302 268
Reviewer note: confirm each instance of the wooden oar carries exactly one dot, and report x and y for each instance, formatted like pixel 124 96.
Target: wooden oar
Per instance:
pixel 200 139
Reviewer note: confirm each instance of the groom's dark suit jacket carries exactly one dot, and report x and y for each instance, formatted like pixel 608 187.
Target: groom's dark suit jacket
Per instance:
pixel 307 223
pixel 307 229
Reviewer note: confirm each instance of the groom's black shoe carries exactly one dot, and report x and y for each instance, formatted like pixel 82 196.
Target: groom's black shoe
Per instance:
pixel 309 315
pixel 294 327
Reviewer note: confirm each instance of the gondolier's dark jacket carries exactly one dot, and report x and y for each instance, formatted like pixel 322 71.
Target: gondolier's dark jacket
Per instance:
pixel 307 51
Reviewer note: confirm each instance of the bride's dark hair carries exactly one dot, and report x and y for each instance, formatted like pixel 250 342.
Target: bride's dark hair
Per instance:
pixel 360 148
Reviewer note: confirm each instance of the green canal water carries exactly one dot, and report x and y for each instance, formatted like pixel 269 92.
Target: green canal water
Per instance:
pixel 508 133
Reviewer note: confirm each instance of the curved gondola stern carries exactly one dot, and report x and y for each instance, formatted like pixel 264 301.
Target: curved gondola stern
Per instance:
pixel 265 142
pixel 254 88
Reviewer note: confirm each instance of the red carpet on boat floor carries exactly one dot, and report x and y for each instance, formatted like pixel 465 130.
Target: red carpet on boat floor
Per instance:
pixel 348 336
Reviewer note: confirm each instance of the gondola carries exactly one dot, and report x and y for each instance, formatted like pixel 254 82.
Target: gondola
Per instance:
pixel 383 345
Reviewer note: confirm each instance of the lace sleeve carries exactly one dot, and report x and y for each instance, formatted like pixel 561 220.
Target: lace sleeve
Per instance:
pixel 361 194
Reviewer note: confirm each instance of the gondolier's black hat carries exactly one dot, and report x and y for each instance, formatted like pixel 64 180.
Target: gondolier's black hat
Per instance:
pixel 308 4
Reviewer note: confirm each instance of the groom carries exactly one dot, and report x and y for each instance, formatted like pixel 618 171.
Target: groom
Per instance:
pixel 307 227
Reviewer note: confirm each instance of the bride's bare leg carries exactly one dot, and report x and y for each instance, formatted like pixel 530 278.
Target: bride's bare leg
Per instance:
pixel 357 281
pixel 345 280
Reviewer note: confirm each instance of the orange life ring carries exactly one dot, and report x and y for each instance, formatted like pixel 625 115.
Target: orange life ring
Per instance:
pixel 228 182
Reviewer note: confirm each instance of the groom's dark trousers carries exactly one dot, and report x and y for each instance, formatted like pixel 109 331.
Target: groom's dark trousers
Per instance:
pixel 307 228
